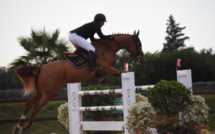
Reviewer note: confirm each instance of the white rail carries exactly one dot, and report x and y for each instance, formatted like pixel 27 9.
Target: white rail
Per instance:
pixel 100 92
pixel 101 108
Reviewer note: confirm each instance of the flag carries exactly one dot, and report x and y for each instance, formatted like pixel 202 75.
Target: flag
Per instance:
pixel 125 67
pixel 178 63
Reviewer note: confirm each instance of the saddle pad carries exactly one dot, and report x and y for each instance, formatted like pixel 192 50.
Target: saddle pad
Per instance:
pixel 77 61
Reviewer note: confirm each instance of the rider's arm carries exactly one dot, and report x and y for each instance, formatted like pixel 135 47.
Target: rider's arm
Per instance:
pixel 101 35
pixel 92 39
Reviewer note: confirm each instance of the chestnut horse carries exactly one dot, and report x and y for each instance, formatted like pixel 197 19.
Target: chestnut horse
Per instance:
pixel 48 79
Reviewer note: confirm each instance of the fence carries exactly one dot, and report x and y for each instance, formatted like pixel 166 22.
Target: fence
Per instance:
pixel 76 123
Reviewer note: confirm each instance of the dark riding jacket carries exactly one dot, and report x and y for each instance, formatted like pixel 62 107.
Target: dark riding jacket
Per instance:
pixel 88 30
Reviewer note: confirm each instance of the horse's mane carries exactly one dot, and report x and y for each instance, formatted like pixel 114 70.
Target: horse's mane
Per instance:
pixel 118 35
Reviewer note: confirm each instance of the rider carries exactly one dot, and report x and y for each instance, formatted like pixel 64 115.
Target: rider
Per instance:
pixel 78 37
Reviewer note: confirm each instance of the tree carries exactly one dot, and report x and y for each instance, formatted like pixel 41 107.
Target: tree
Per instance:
pixel 208 52
pixel 41 48
pixel 3 70
pixel 3 78
pixel 6 81
pixel 175 38
pixel 162 66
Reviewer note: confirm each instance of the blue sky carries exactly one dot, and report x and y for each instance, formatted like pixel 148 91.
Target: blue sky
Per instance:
pixel 18 17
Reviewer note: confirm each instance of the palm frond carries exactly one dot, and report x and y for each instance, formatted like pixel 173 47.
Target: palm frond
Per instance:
pixel 42 48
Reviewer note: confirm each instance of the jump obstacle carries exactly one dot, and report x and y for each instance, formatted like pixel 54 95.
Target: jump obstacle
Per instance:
pixel 76 123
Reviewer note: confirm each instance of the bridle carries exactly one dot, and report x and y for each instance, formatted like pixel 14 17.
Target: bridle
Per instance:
pixel 139 53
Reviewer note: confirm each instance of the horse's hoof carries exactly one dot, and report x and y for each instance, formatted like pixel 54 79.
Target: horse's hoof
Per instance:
pixel 101 80
pixel 15 129
pixel 22 130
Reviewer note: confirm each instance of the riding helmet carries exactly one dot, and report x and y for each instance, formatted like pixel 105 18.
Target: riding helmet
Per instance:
pixel 100 16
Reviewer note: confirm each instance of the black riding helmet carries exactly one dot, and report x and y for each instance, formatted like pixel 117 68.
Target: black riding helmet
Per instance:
pixel 100 16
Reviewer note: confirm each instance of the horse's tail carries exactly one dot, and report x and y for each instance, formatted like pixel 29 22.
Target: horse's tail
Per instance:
pixel 28 76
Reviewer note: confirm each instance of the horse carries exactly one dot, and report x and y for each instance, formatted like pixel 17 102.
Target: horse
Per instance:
pixel 48 79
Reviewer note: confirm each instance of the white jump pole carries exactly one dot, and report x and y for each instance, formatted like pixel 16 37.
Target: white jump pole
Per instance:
pixel 185 77
pixel 75 102
pixel 76 123
pixel 128 87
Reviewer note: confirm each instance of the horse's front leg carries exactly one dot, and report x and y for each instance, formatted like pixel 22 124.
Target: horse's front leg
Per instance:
pixel 108 70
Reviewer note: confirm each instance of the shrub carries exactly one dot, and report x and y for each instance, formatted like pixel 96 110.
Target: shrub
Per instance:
pixel 140 114
pixel 169 96
pixel 63 115
pixel 172 127
pixel 140 97
pixel 196 111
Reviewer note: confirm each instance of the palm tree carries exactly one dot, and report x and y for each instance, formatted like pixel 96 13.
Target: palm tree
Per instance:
pixel 41 48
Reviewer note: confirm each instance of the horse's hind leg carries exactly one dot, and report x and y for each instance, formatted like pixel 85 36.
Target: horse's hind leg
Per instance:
pixel 28 105
pixel 42 102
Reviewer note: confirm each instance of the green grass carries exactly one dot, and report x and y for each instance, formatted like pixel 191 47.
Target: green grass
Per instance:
pixel 211 121
pixel 210 101
pixel 14 111
pixel 45 127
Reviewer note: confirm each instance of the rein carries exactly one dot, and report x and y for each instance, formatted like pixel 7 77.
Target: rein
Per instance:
pixel 135 39
pixel 135 42
pixel 123 49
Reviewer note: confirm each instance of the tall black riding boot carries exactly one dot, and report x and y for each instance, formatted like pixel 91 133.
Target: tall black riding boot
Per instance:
pixel 92 57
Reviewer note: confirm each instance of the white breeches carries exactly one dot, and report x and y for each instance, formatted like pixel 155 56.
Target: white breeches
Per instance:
pixel 79 41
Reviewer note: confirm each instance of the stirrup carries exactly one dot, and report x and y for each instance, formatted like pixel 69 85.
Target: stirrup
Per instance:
pixel 94 69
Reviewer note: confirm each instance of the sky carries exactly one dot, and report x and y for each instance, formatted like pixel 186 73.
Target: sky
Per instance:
pixel 19 17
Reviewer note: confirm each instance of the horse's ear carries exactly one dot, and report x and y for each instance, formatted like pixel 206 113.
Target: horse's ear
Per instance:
pixel 138 33
pixel 134 32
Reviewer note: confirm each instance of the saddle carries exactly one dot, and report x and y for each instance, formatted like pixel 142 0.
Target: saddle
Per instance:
pixel 78 51
pixel 78 59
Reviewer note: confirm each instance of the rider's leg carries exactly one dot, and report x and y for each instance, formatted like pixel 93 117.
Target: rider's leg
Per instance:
pixel 92 59
pixel 72 40
pixel 77 40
